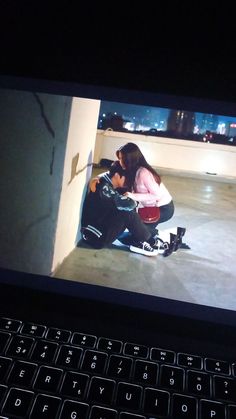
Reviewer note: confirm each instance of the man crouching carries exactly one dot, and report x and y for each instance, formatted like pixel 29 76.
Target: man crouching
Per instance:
pixel 107 214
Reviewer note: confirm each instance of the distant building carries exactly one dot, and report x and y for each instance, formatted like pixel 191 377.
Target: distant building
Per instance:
pixel 232 129
pixel 181 122
pixel 209 123
pixel 114 121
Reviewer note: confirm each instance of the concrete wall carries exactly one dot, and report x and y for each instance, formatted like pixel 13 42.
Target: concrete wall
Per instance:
pixel 46 146
pixel 77 172
pixel 181 155
pixel 33 135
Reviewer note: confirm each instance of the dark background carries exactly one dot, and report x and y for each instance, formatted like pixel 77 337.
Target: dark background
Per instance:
pixel 186 49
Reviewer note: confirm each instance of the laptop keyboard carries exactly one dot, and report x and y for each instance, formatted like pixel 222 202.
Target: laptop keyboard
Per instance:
pixel 50 373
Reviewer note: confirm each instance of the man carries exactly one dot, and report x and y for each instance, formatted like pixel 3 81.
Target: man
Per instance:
pixel 107 214
pixel 155 241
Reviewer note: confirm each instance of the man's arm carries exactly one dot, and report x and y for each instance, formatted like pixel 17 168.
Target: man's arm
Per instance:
pixel 121 202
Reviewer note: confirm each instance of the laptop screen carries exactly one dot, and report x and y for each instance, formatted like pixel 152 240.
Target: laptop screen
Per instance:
pixel 56 137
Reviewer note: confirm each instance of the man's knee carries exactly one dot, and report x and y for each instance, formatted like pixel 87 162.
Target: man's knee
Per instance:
pixel 92 240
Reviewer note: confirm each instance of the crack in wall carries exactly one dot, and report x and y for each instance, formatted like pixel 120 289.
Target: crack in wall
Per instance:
pixel 52 160
pixel 44 117
pixel 48 126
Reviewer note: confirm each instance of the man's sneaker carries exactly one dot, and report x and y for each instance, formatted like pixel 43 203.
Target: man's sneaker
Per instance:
pixel 143 248
pixel 158 244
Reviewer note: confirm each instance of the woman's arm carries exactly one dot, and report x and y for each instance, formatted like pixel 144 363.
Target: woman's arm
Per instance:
pixel 147 189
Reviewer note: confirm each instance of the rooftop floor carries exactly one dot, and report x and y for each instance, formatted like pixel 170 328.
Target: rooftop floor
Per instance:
pixel 206 274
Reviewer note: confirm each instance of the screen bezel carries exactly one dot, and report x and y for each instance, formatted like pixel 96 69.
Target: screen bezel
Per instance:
pixel 18 287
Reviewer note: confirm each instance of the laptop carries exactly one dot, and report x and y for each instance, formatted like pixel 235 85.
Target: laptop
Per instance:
pixel 85 344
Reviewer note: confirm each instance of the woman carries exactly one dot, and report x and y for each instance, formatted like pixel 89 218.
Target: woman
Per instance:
pixel 144 183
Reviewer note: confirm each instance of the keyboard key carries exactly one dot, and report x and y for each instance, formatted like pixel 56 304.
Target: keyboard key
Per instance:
pixel 4 338
pixel 190 361
pixel 69 356
pixel 94 362
pixel 98 412
pixel 17 403
pixel 10 325
pixel 198 383
pixel 132 349
pixel 129 396
pixel 44 351
pixel 119 367
pixel 126 415
pixel 59 335
pixel 5 364
pixel 33 330
pixel 110 345
pixel 224 388
pixel 210 409
pixel 72 409
pixel 184 407
pixel 74 385
pixel 218 367
pixel 163 356
pixel 231 412
pixel 22 374
pixel 20 346
pixel 156 402
pixel 145 372
pixel 48 379
pixel 101 390
pixel 172 378
pixel 234 369
pixel 3 390
pixel 87 341
pixel 45 407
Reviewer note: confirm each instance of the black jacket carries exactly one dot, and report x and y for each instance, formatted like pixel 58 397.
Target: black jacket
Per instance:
pixel 98 206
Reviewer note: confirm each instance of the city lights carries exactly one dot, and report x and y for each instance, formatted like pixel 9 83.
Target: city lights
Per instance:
pixel 168 122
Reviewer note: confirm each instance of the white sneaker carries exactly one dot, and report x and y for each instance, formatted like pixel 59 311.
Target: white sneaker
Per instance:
pixel 159 245
pixel 143 248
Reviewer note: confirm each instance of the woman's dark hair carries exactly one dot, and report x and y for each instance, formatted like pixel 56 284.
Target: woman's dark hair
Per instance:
pixel 116 168
pixel 134 159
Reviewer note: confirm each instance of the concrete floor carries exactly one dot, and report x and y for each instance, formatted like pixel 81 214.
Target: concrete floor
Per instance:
pixel 206 274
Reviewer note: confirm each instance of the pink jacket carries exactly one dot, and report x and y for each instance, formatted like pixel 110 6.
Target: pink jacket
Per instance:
pixel 147 191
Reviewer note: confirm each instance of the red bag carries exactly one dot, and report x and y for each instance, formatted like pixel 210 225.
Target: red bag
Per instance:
pixel 149 214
